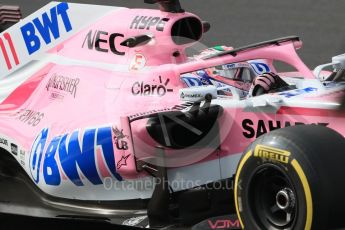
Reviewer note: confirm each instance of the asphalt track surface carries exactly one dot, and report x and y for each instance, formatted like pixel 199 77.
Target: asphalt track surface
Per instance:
pixel 320 24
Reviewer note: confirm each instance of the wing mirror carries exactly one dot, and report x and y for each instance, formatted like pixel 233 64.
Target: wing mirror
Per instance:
pixel 338 62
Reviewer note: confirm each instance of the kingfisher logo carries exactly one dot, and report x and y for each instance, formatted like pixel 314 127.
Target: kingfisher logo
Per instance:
pixel 74 154
pixel 46 28
pixel 65 84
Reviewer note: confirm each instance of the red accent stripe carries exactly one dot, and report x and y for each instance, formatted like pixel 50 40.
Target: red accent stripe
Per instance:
pixel 311 112
pixel 24 91
pixel 5 54
pixel 13 50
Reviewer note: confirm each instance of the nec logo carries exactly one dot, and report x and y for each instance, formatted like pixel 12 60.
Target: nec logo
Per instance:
pixel 102 41
pixel 46 27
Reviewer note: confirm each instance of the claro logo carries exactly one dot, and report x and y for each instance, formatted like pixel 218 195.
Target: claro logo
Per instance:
pixel 144 89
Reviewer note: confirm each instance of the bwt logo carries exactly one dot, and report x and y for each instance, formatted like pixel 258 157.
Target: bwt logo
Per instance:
pixel 73 153
pixel 42 28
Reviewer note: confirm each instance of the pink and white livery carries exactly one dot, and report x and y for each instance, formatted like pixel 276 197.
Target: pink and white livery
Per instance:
pixel 104 116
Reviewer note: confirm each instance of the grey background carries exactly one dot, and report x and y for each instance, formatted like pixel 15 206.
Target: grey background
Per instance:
pixel 320 23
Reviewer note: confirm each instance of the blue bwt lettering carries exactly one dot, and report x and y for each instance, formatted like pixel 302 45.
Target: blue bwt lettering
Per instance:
pixel 73 155
pixel 44 28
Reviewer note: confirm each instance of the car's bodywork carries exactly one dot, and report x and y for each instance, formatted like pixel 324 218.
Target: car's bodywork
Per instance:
pixel 85 114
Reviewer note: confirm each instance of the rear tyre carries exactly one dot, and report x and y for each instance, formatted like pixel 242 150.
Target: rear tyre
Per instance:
pixel 292 178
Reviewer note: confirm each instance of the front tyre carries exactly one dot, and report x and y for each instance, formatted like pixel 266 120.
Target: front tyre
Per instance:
pixel 292 178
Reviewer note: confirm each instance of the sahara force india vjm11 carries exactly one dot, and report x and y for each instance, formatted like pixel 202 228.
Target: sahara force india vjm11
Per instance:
pixel 105 117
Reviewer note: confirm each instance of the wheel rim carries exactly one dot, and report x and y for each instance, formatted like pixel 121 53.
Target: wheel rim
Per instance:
pixel 272 198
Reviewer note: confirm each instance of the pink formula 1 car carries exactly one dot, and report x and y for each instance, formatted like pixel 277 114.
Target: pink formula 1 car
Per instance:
pixel 104 117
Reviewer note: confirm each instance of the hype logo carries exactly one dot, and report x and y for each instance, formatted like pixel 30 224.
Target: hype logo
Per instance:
pixel 74 155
